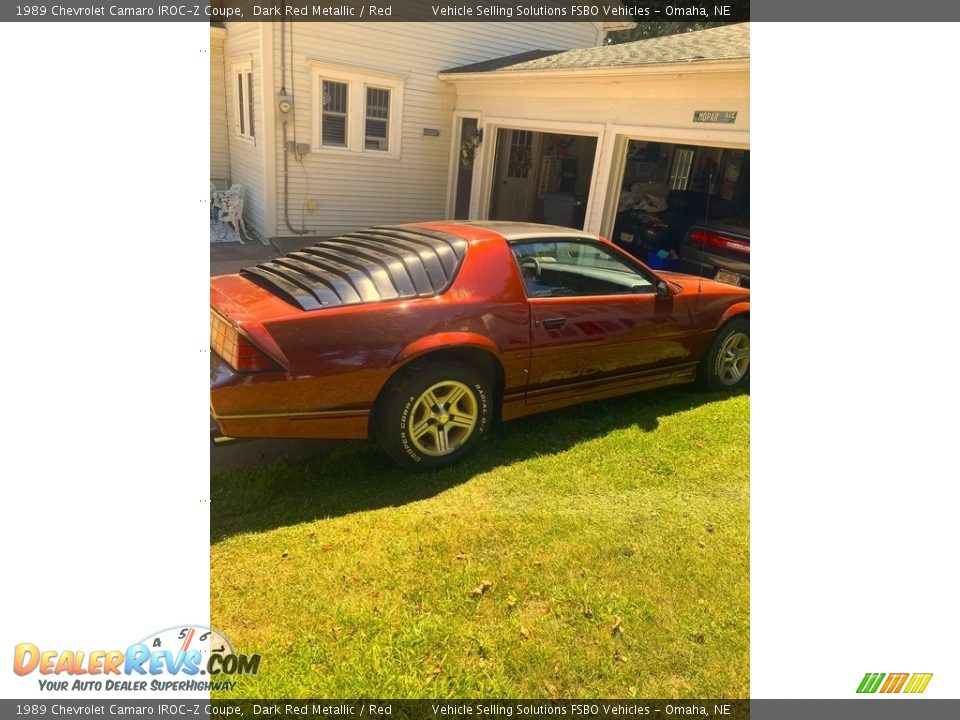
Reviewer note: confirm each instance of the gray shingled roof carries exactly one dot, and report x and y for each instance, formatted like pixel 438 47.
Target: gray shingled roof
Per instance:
pixel 502 62
pixel 729 42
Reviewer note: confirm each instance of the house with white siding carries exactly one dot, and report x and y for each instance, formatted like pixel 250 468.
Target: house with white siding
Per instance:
pixel 333 126
pixel 368 132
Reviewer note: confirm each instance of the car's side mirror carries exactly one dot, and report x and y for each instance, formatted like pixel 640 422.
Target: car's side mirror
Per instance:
pixel 663 290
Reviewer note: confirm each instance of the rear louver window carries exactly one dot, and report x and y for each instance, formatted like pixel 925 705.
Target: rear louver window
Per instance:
pixel 382 263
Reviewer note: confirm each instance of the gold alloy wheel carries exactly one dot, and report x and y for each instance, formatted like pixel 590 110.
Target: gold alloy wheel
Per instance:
pixel 733 360
pixel 443 418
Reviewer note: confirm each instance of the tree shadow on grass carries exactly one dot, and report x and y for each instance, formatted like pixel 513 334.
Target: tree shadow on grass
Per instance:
pixel 354 477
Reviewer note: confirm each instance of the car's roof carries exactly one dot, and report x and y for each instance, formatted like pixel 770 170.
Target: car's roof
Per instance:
pixel 386 262
pixel 513 231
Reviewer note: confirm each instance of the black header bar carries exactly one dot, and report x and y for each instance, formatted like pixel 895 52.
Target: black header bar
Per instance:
pixel 382 11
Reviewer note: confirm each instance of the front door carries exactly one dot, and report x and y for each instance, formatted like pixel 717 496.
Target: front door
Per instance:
pixel 515 176
pixel 596 320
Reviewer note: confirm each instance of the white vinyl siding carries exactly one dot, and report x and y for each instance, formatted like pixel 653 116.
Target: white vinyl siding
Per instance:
pixel 219 142
pixel 407 181
pixel 242 47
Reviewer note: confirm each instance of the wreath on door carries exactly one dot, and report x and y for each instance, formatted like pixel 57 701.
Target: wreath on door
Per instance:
pixel 560 144
pixel 468 150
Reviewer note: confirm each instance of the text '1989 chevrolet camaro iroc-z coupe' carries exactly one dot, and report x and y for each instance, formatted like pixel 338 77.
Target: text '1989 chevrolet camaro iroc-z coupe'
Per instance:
pixel 424 335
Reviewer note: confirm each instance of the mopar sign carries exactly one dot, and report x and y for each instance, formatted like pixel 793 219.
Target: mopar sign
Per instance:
pixel 715 116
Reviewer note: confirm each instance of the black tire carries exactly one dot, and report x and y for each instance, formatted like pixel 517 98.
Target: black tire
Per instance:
pixel 403 408
pixel 719 370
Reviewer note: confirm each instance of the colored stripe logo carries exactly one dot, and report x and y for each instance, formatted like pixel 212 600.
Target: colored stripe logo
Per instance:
pixel 894 682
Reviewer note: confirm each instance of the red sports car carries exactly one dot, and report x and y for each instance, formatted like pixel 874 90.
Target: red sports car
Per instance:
pixel 422 336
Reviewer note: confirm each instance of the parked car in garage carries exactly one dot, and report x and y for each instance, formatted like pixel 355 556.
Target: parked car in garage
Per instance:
pixel 422 336
pixel 718 250
pixel 705 233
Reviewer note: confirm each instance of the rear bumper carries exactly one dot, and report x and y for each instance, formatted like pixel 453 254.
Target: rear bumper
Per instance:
pixel 706 264
pixel 245 405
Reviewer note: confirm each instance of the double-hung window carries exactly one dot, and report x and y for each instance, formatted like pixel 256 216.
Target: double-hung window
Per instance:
pixel 377 120
pixel 356 110
pixel 243 105
pixel 333 124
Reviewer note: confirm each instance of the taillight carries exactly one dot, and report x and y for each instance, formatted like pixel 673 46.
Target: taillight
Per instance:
pixel 703 237
pixel 250 358
pixel 241 354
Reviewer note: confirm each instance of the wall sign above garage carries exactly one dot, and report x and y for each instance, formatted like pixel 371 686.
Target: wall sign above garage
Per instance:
pixel 715 116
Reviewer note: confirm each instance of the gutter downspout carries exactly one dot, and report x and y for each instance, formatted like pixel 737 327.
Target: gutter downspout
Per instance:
pixel 286 171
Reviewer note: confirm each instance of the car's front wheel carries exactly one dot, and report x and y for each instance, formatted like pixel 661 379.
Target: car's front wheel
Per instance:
pixel 433 415
pixel 726 365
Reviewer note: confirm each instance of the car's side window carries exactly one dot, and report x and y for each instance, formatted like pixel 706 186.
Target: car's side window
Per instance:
pixel 575 268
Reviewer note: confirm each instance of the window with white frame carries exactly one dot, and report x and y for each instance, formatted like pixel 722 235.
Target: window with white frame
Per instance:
pixel 377 120
pixel 333 121
pixel 356 110
pixel 243 101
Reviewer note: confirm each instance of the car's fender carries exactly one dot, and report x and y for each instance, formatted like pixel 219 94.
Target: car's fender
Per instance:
pixel 445 341
pixel 734 310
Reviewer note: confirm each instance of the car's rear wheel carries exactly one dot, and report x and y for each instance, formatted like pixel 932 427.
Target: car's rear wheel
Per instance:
pixel 726 365
pixel 433 415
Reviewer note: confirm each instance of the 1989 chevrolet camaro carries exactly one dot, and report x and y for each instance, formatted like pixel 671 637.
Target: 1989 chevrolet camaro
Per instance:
pixel 424 335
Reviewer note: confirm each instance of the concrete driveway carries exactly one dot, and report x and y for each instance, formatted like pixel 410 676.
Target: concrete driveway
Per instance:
pixel 227 258
pixel 246 453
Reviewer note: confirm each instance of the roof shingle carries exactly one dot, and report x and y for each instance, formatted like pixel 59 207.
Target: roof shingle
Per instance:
pixel 729 42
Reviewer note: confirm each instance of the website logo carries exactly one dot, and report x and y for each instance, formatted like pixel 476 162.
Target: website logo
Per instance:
pixel 894 682
pixel 172 659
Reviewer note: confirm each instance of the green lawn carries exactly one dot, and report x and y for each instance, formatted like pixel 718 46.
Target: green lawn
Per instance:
pixel 614 538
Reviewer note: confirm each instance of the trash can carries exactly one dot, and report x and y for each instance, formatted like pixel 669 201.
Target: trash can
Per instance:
pixel 564 209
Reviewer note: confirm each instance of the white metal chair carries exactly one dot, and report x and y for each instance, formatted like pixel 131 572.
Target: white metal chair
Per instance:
pixel 230 204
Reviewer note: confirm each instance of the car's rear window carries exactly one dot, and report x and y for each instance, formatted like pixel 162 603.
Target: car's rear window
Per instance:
pixel 381 263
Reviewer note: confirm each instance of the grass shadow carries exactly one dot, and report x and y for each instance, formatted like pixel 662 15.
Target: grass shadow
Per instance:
pixel 357 477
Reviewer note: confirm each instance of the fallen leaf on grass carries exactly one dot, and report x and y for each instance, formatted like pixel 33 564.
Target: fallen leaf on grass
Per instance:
pixel 524 633
pixel 617 628
pixel 481 589
pixel 552 689
pixel 619 656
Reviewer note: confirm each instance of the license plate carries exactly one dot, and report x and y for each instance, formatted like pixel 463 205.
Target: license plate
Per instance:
pixel 725 276
pixel 626 237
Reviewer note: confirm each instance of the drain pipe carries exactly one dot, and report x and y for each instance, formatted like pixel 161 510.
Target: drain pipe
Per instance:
pixel 286 171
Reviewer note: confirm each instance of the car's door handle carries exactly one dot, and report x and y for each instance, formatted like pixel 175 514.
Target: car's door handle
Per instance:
pixel 555 323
